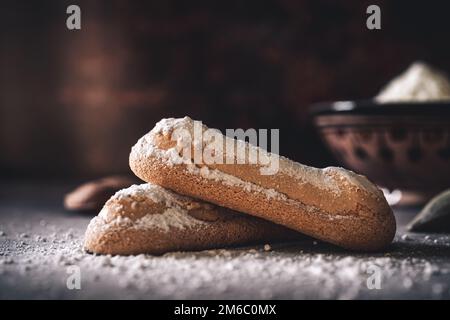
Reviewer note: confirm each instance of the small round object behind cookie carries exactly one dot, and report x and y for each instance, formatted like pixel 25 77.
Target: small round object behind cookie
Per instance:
pixel 92 195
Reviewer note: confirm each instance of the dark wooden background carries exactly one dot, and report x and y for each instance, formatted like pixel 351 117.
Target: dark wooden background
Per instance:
pixel 73 103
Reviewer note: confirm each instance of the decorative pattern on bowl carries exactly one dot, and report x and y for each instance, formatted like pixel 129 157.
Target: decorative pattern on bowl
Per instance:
pixel 402 146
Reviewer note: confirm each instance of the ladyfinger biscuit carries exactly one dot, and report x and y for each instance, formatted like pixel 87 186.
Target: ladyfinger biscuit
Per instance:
pixel 150 219
pixel 331 204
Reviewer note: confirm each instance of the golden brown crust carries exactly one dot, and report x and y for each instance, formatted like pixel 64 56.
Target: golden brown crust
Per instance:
pixel 357 232
pixel 331 204
pixel 118 229
pixel 331 189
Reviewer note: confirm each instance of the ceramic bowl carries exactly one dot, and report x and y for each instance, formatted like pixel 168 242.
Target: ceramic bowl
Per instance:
pixel 402 146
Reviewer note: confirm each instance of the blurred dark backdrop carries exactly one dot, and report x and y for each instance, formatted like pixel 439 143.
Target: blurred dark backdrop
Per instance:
pixel 72 103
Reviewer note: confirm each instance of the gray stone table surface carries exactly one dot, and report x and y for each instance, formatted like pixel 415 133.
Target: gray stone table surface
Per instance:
pixel 41 257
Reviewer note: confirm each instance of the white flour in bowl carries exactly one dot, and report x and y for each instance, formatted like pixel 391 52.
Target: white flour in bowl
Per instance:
pixel 419 82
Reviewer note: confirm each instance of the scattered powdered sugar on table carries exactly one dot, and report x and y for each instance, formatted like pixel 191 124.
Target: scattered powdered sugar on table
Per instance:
pixel 417 267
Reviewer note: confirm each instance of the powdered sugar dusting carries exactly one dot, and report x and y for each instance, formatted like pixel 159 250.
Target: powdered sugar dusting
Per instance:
pixel 153 192
pixel 174 216
pixel 355 179
pixel 229 180
pixel 40 242
pixel 33 268
pixel 171 218
pixel 319 178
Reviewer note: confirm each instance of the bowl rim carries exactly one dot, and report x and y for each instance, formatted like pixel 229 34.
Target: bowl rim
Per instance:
pixel 372 107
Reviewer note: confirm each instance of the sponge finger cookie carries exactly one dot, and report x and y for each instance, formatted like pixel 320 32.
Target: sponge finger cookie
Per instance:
pixel 150 219
pixel 331 204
